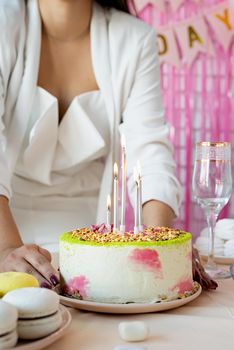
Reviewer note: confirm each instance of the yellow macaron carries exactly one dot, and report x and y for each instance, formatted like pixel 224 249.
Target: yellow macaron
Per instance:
pixel 14 280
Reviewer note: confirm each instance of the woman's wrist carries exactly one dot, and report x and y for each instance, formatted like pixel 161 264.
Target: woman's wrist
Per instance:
pixel 9 234
pixel 156 213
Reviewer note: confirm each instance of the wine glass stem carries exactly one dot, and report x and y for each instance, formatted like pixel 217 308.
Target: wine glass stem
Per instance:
pixel 211 218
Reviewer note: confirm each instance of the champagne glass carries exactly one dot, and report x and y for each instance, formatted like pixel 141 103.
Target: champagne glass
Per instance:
pixel 212 187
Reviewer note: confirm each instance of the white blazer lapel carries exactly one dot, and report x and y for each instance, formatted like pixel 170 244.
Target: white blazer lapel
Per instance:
pixel 102 70
pixel 24 102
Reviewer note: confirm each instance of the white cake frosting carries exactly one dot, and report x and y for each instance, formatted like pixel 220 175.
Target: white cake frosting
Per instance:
pixel 107 267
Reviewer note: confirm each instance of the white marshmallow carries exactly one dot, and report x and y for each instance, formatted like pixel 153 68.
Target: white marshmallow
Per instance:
pixel 229 248
pixel 204 232
pixel 225 229
pixel 202 244
pixel 203 241
pixel 133 331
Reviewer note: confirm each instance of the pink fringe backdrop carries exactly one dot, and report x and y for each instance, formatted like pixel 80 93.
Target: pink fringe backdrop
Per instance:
pixel 198 106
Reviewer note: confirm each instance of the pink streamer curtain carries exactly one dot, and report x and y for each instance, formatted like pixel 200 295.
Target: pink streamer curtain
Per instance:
pixel 198 105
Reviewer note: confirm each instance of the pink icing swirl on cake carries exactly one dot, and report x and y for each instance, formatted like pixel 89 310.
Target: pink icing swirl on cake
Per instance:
pixel 185 285
pixel 76 286
pixel 147 258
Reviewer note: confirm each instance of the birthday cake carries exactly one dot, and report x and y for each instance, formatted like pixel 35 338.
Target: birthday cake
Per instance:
pixel 97 264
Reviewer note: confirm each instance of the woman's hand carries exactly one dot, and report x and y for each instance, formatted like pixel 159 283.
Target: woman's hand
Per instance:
pixel 199 273
pixel 31 259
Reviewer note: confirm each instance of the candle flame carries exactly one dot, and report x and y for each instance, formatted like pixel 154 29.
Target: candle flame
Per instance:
pixel 108 202
pixel 123 141
pixel 116 171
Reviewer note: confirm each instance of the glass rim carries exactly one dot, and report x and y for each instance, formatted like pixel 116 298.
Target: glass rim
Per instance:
pixel 213 144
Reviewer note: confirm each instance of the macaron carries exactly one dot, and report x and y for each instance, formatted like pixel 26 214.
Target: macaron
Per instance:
pixel 8 325
pixel 38 310
pixel 14 280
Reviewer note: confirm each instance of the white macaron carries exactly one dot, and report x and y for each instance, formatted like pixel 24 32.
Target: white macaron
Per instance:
pixel 38 310
pixel 8 324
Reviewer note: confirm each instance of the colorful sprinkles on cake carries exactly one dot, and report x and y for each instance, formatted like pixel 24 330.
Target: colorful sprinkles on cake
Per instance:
pixel 101 234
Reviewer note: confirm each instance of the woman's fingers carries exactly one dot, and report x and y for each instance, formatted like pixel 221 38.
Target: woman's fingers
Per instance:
pixel 15 262
pixel 33 260
pixel 41 264
pixel 28 268
pixel 45 252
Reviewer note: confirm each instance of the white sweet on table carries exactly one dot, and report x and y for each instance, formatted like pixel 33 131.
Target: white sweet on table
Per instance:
pixel 33 302
pixel 229 248
pixel 224 239
pixel 133 331
pixel 202 244
pixel 38 311
pixel 8 324
pixel 225 229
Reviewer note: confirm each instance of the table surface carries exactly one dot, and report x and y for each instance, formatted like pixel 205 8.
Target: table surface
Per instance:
pixel 205 323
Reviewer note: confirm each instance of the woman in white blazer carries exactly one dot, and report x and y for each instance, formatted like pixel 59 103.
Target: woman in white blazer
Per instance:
pixel 73 76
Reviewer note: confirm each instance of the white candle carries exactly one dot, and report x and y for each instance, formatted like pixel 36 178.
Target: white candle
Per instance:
pixel 116 194
pixel 136 217
pixel 108 212
pixel 140 197
pixel 123 194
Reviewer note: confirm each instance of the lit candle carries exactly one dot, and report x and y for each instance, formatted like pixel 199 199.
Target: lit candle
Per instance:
pixel 108 212
pixel 136 217
pixel 116 194
pixel 123 194
pixel 140 197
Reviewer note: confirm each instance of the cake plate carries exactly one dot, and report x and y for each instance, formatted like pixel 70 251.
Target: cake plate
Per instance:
pixel 132 308
pixel 50 339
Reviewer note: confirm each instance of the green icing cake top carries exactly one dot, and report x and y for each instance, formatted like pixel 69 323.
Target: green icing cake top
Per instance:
pixel 149 237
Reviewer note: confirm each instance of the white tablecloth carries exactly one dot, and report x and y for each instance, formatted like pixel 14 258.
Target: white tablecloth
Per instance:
pixel 204 324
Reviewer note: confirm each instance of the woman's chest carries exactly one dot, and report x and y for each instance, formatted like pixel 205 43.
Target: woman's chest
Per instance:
pixel 66 70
